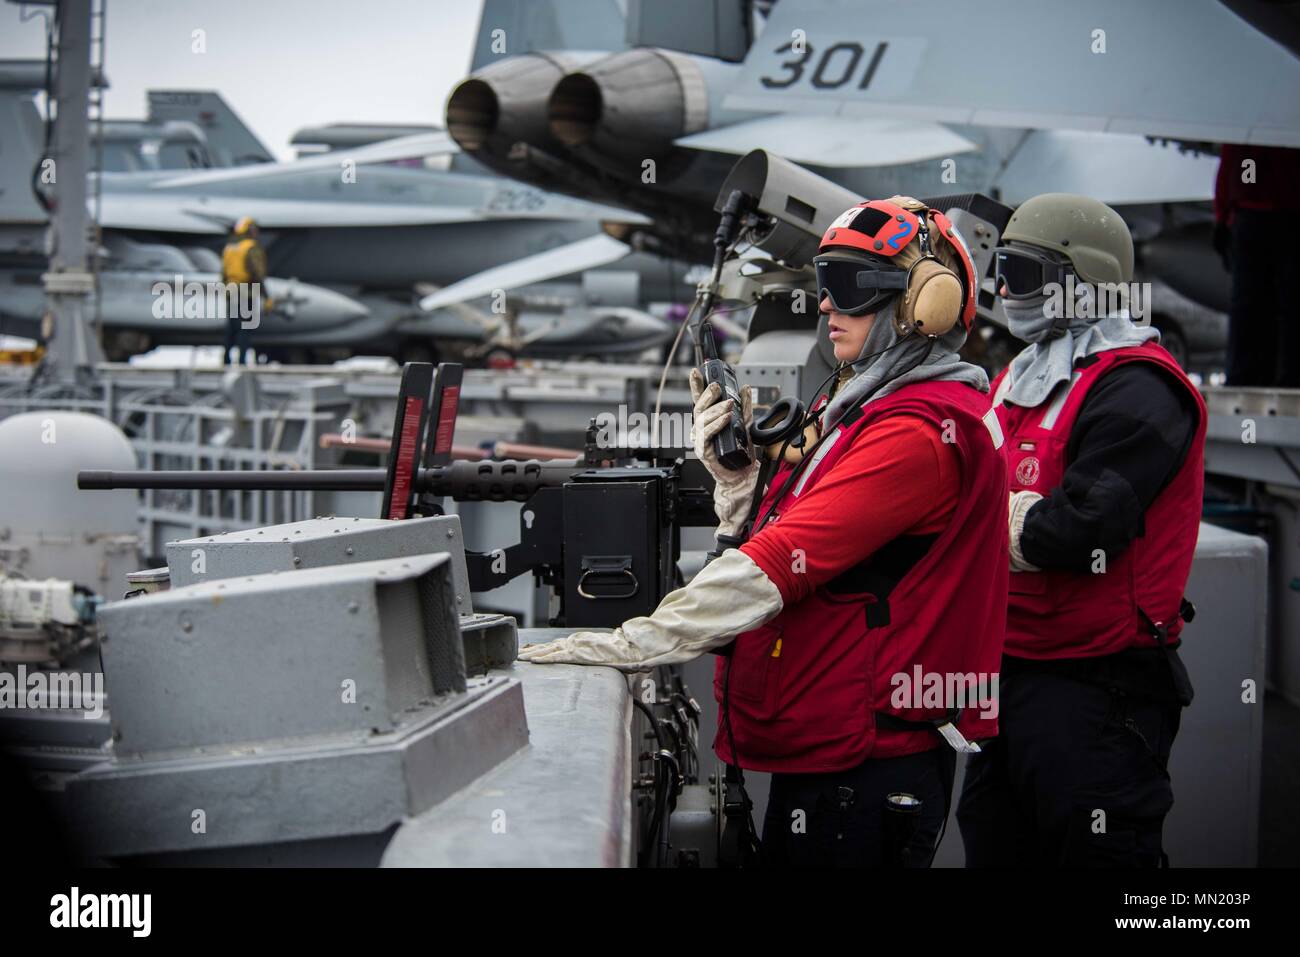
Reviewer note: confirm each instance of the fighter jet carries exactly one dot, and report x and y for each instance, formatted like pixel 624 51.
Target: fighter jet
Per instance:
pixel 880 97
pixel 356 233
pixel 152 294
pixel 137 282
pixel 657 128
pixel 371 220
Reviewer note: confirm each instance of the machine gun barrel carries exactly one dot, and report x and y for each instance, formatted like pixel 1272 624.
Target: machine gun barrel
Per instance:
pixel 279 480
pixel 462 481
pixel 502 480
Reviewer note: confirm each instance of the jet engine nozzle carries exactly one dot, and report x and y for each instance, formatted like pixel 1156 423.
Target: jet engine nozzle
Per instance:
pixel 505 103
pixel 634 103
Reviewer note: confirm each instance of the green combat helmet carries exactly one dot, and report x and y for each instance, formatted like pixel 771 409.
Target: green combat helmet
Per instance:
pixel 1089 233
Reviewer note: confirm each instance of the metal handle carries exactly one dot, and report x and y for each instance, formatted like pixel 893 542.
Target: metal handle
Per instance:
pixel 624 568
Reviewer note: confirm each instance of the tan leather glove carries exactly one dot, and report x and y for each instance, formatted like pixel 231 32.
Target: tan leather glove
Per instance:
pixel 1017 508
pixel 732 490
pixel 729 596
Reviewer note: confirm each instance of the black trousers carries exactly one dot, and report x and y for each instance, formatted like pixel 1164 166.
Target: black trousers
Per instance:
pixel 839 819
pixel 1077 777
pixel 236 334
pixel 1264 312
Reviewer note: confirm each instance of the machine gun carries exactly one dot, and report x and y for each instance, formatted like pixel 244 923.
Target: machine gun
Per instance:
pixel 603 529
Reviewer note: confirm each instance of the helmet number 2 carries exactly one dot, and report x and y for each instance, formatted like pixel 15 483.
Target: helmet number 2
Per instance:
pixel 895 241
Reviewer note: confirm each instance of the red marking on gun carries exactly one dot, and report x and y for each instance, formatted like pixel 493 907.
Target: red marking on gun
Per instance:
pixel 407 444
pixel 446 420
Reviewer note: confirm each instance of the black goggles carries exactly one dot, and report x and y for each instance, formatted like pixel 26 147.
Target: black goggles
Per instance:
pixel 1023 273
pixel 856 288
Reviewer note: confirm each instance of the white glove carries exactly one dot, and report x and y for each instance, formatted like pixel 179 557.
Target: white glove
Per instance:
pixel 733 490
pixel 729 596
pixel 1018 507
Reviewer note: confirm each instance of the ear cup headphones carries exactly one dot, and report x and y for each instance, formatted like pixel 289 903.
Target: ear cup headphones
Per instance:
pixel 932 302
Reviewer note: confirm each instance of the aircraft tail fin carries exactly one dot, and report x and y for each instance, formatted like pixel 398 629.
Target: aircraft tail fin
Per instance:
pixel 23 135
pixel 509 27
pixel 230 141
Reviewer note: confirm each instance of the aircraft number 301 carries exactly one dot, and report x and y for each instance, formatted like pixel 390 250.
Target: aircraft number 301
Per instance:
pixel 837 65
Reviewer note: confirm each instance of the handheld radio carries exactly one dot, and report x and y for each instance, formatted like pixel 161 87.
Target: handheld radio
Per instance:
pixel 731 445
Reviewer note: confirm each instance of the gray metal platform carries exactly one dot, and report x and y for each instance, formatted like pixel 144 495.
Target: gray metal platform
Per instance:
pixel 562 801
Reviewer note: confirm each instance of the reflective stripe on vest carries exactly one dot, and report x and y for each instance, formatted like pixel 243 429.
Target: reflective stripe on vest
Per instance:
pixel 817 459
pixel 1054 408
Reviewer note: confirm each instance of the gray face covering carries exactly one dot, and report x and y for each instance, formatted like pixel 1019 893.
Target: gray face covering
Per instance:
pixel 896 364
pixel 1057 343
pixel 1027 321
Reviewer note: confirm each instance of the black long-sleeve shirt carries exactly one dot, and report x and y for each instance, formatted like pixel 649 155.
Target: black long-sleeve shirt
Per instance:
pixel 1131 436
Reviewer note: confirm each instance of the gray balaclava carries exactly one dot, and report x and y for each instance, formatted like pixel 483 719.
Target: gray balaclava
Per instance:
pixel 1057 343
pixel 896 364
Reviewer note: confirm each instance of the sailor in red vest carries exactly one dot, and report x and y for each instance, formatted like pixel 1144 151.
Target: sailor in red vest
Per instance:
pixel 1104 438
pixel 867 605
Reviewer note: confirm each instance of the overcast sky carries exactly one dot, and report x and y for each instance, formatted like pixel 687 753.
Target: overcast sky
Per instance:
pixel 280 64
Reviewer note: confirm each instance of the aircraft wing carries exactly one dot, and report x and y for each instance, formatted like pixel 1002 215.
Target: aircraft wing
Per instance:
pixel 161 213
pixel 821 140
pixel 474 199
pixel 415 146
pixel 1116 168
pixel 216 214
pixel 588 253
pixel 1183 69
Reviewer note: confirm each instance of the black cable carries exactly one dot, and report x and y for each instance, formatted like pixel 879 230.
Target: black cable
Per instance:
pixel 656 819
pixel 680 703
pixel 654 724
pixel 668 726
pixel 750 837
pixel 766 470
pixel 681 332
pixel 667 678
pixel 685 716
pixel 651 838
pixel 670 790
pixel 657 831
